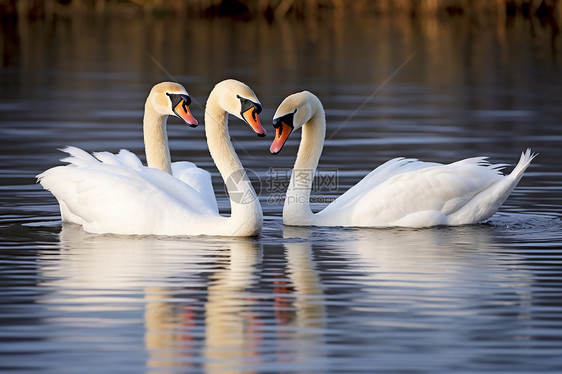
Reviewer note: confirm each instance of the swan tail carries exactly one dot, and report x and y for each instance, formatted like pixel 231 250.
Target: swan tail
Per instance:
pixel 78 157
pixel 524 162
pixel 41 177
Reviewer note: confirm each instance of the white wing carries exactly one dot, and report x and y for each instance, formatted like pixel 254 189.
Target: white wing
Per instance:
pixel 405 192
pixel 115 193
pixel 376 177
pixel 198 179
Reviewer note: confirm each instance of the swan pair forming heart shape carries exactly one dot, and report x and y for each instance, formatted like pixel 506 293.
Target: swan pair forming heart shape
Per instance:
pixel 115 193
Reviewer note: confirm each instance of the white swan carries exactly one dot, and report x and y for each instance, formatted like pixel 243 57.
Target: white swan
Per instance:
pixel 401 192
pixel 116 194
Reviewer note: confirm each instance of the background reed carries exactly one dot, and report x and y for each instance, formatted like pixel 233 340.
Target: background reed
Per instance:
pixel 546 10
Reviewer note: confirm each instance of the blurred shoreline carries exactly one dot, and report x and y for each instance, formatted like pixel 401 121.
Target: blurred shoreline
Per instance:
pixel 547 11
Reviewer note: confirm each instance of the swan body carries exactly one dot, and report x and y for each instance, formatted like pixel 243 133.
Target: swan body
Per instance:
pixel 402 192
pixel 115 193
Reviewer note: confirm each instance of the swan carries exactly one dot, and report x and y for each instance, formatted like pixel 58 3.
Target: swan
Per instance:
pixel 115 193
pixel 402 192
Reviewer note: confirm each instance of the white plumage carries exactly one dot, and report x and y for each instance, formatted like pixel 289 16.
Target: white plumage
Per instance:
pixel 115 193
pixel 401 192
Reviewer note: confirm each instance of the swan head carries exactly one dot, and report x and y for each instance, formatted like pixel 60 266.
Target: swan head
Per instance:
pixel 291 115
pixel 171 99
pixel 239 100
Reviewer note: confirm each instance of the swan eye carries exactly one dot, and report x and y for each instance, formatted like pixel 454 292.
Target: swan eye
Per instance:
pixel 287 119
pixel 246 105
pixel 178 99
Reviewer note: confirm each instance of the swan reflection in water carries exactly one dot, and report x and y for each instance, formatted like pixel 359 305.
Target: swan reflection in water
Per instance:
pixel 225 306
pixel 238 333
pixel 413 271
pixel 204 300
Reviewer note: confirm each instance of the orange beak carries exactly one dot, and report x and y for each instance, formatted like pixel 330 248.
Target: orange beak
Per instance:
pixel 183 112
pixel 251 117
pixel 281 135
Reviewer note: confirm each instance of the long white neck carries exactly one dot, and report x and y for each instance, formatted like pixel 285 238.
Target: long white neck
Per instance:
pixel 296 210
pixel 156 139
pixel 246 218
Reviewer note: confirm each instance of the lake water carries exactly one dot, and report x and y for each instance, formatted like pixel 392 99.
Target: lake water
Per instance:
pixel 480 298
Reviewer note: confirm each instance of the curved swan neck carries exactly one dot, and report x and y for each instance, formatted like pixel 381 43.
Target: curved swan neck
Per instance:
pixel 246 214
pixel 156 139
pixel 297 201
pixel 218 138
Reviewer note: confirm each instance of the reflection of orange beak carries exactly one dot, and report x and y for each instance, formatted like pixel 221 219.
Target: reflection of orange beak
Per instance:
pixel 183 112
pixel 251 117
pixel 281 134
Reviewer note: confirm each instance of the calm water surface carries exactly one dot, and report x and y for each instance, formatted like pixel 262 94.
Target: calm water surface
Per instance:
pixel 479 298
